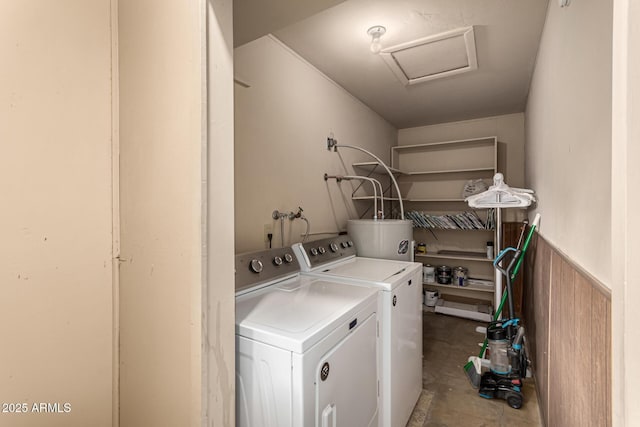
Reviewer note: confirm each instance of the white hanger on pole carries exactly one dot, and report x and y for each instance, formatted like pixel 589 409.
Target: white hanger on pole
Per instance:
pixel 500 195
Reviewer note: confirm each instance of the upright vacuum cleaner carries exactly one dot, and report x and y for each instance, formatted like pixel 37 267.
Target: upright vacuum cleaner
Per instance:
pixel 507 356
pixel 508 360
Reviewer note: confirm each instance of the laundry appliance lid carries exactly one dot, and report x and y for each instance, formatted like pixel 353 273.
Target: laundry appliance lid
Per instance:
pixel 297 313
pixel 380 271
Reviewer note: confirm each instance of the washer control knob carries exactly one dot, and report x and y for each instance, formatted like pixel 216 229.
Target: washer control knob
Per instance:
pixel 322 250
pixel 288 258
pixel 313 251
pixel 256 265
pixel 344 244
pixel 333 247
pixel 350 243
pixel 277 260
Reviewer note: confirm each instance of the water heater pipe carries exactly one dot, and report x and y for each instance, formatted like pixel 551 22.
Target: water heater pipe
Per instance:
pixel 373 182
pixel 332 143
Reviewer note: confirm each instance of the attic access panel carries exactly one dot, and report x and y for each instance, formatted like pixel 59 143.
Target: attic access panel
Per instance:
pixel 433 57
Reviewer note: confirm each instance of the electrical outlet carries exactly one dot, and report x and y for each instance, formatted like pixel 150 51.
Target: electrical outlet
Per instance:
pixel 268 229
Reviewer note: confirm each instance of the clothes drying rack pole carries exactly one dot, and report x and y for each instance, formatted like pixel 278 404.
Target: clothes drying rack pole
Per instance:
pixel 498 275
pixel 497 196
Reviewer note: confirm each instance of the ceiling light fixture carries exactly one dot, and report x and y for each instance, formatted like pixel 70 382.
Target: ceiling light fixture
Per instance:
pixel 376 32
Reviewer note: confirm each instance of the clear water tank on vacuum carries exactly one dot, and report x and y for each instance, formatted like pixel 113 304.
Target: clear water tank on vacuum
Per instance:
pixel 383 238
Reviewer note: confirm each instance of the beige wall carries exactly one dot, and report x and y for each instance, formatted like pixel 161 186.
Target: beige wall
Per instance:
pixel 282 123
pixel 161 122
pixel 219 303
pixel 508 128
pixel 568 131
pixel 60 123
pixel 581 154
pixel 56 217
pixel 625 207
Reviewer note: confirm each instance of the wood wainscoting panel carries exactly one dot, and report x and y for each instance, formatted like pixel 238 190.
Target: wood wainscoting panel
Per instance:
pixel 583 351
pixel 529 296
pixel 600 374
pixel 536 307
pixel 567 314
pixel 561 345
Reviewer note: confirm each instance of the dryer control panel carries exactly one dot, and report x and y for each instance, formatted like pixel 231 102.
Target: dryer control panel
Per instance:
pixel 319 252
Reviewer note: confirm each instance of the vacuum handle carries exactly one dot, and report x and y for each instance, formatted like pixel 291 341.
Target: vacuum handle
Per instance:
pixel 514 260
pixel 501 255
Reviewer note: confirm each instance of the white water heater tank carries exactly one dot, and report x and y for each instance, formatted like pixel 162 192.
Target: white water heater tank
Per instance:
pixel 382 238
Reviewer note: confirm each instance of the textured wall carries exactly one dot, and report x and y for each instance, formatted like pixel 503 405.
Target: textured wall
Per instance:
pixel 219 345
pixel 568 133
pixel 508 128
pixel 161 103
pixel 625 236
pixel 56 217
pixel 282 123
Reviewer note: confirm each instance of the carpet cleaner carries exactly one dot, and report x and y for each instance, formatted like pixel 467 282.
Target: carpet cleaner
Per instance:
pixel 508 361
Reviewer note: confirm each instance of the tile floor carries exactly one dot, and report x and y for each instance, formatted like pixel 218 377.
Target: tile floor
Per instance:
pixel 447 399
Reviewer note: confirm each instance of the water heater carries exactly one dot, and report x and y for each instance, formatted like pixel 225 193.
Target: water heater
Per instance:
pixel 382 238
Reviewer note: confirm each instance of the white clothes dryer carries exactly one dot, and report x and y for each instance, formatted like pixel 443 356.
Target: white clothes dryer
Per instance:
pixel 399 284
pixel 306 348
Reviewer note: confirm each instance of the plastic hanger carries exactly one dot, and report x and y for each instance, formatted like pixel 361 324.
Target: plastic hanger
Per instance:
pixel 500 195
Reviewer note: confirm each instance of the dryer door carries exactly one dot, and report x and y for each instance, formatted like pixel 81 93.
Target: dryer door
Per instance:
pixel 347 380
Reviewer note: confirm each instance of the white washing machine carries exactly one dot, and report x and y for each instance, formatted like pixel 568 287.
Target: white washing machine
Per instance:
pixel 306 348
pixel 399 284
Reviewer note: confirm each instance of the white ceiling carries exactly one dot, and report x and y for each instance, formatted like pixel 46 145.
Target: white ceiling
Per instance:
pixel 256 18
pixel 335 40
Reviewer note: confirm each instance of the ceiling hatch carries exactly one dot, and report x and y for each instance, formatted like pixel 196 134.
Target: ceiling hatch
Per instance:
pixel 433 57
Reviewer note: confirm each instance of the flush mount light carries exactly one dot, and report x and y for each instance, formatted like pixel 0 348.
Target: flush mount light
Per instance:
pixel 376 32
